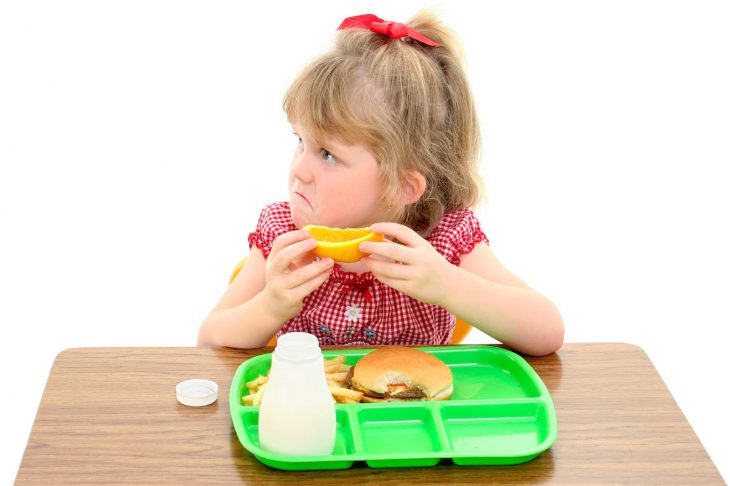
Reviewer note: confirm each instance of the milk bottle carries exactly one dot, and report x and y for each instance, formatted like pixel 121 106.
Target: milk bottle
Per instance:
pixel 297 413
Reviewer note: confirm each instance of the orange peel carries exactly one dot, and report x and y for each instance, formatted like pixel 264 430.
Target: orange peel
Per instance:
pixel 342 245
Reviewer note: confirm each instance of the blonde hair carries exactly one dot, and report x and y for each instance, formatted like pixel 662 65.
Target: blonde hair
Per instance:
pixel 409 103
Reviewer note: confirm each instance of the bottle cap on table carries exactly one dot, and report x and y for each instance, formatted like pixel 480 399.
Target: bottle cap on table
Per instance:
pixel 197 392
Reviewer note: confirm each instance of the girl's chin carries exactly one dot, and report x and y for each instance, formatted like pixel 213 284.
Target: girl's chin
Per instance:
pixel 300 220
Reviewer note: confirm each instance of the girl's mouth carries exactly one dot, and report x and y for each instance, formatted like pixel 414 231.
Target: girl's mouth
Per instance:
pixel 303 197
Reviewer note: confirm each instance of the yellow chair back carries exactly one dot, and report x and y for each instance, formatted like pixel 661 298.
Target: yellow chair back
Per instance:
pixel 460 331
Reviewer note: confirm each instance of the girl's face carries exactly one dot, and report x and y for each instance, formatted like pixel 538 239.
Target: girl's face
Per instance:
pixel 336 185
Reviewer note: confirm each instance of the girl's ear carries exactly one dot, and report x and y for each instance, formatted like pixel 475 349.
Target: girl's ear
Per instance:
pixel 413 186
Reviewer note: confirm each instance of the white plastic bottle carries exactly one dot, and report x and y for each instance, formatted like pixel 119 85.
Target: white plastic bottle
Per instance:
pixel 297 413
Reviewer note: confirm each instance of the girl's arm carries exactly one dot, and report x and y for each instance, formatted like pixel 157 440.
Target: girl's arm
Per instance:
pixel 491 298
pixel 480 290
pixel 241 318
pixel 265 294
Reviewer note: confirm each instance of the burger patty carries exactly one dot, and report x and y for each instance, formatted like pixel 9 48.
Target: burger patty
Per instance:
pixel 402 392
pixel 348 378
pixel 397 392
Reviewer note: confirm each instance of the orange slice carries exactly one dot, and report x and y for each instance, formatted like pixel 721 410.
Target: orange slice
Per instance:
pixel 341 244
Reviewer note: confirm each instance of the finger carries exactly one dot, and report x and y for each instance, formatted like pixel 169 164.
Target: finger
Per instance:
pixel 311 285
pixel 286 239
pixel 387 249
pixel 287 255
pixel 308 272
pixel 402 233
pixel 302 261
pixel 389 270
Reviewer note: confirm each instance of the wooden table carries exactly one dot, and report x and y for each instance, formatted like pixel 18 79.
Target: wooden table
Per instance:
pixel 109 416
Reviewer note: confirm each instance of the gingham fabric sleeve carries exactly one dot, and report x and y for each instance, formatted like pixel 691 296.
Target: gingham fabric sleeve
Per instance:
pixel 275 220
pixel 457 234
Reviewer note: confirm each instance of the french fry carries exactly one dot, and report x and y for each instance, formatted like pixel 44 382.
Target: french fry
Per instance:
pixel 254 385
pixel 337 368
pixel 247 400
pixel 259 394
pixel 336 360
pixel 338 378
pixel 345 395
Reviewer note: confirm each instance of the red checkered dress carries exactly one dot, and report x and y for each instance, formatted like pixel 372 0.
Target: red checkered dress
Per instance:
pixel 352 309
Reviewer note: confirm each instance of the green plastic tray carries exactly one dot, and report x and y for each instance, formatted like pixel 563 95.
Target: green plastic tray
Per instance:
pixel 499 413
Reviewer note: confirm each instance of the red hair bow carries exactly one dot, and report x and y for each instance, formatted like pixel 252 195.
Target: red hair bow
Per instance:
pixel 394 30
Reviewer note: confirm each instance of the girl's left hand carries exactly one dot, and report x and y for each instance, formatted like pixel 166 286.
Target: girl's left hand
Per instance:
pixel 412 266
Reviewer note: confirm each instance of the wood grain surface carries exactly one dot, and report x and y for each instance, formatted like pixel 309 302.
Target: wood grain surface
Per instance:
pixel 110 416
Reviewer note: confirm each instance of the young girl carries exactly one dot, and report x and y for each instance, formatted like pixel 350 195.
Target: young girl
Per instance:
pixel 387 137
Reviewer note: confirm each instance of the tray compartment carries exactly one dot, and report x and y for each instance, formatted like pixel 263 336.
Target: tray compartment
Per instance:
pixel 488 373
pixel 339 459
pixel 495 433
pixel 399 436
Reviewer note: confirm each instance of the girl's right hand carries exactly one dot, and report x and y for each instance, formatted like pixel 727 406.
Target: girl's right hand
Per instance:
pixel 292 273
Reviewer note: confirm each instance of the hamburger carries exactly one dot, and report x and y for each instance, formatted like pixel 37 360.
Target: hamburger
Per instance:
pixel 399 373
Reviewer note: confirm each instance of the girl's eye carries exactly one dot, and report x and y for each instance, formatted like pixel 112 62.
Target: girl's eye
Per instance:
pixel 299 139
pixel 328 156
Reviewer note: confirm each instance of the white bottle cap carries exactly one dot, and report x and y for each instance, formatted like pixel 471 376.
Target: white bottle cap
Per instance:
pixel 298 346
pixel 197 392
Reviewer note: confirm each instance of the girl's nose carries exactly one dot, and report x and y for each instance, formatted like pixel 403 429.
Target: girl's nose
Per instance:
pixel 301 166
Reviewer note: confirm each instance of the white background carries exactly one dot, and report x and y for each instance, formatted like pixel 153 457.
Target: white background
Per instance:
pixel 140 139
